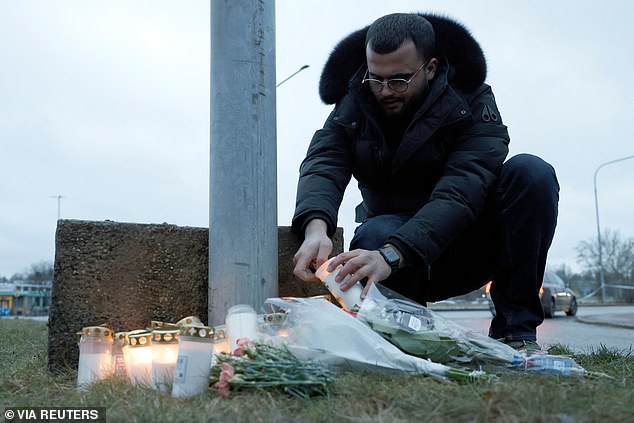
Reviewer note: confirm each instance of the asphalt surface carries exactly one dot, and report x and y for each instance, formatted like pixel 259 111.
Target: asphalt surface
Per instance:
pixel 624 320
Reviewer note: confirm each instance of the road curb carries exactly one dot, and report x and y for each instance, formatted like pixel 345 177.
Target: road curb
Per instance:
pixel 614 320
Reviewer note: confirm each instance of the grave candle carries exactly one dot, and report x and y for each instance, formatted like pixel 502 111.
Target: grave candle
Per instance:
pixel 138 356
pixel 193 366
pixel 95 348
pixel 164 355
pixel 241 322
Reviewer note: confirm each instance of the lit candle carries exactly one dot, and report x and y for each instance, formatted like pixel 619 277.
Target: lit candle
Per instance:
pixel 273 325
pixel 195 352
pixel 164 355
pixel 350 300
pixel 95 348
pixel 221 343
pixel 138 356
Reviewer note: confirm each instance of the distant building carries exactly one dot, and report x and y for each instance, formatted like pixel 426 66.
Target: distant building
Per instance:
pixel 22 298
pixel 6 299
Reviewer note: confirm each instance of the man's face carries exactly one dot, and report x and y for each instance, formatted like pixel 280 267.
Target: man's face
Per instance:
pixel 401 63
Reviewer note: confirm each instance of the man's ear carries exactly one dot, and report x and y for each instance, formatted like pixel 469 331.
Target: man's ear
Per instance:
pixel 431 68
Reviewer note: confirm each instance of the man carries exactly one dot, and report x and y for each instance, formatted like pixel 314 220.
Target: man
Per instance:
pixel 442 213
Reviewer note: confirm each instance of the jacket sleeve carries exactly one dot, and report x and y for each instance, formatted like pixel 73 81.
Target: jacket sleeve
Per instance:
pixel 473 161
pixel 325 173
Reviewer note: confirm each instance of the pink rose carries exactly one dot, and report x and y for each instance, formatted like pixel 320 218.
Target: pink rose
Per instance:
pixel 226 374
pixel 227 371
pixel 222 386
pixel 243 345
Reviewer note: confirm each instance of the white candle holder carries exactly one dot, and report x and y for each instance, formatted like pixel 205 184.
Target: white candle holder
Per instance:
pixel 350 299
pixel 95 349
pixel 138 356
pixel 195 353
pixel 241 322
pixel 164 356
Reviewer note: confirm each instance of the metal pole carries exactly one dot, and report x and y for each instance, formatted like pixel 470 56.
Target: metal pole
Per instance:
pixel 59 205
pixel 596 208
pixel 243 237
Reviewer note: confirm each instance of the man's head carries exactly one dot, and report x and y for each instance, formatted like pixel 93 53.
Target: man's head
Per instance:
pixel 400 47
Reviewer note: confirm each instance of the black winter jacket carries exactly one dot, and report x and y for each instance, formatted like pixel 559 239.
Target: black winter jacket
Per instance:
pixel 445 165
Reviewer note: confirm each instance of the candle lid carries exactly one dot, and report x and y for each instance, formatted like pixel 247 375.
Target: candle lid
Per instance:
pixel 139 338
pixel 155 324
pixel 219 334
pixel 121 337
pixel 241 308
pixel 189 321
pixel 160 336
pixel 274 318
pixel 96 332
pixel 197 331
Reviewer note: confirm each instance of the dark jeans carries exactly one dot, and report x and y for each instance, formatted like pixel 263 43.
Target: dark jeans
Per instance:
pixel 508 244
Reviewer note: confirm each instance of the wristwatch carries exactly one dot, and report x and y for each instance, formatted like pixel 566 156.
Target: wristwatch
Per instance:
pixel 391 256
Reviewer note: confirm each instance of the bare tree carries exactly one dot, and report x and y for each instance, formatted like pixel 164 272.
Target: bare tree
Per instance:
pixel 617 257
pixel 38 273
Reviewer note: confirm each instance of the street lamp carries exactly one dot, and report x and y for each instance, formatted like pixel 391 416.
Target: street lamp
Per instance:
pixel 596 208
pixel 292 75
pixel 59 204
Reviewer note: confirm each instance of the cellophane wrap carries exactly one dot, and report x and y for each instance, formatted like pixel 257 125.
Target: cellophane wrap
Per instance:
pixel 317 330
pixel 422 332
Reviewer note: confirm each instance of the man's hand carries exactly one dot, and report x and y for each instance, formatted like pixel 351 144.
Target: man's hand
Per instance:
pixel 360 264
pixel 314 251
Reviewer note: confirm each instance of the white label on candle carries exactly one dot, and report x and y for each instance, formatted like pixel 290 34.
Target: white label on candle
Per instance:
pixel 193 366
pixel 180 374
pixel 119 366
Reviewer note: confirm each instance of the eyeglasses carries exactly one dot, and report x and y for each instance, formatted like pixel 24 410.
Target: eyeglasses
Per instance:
pixel 398 85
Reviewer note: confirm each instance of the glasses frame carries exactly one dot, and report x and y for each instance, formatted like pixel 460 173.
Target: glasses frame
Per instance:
pixel 389 81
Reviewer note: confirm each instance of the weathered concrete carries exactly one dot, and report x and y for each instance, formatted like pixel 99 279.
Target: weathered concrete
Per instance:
pixel 128 274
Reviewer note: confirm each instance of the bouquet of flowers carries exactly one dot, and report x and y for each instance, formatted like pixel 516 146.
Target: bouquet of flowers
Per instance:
pixel 261 365
pixel 317 330
pixel 419 331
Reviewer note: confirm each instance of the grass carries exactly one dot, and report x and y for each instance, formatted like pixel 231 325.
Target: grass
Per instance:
pixel 512 397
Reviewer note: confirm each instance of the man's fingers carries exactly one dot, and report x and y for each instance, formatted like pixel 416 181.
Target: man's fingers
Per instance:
pixel 305 274
pixel 337 260
pixel 325 248
pixel 367 286
pixel 301 270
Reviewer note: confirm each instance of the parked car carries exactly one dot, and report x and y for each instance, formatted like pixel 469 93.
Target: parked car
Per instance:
pixel 554 295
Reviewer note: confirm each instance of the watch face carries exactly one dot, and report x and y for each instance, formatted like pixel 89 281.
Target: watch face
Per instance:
pixel 390 255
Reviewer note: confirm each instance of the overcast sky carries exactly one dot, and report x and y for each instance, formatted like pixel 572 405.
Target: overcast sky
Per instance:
pixel 106 103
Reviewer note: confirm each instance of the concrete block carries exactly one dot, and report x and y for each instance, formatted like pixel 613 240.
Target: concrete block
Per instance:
pixel 128 274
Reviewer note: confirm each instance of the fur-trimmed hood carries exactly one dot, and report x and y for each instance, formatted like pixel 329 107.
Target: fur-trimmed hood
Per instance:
pixel 453 41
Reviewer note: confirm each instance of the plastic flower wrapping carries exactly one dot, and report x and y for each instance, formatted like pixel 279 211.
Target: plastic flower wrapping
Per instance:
pixel 316 330
pixel 394 334
pixel 420 331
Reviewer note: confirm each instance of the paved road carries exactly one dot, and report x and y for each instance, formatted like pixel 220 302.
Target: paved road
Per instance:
pixel 592 328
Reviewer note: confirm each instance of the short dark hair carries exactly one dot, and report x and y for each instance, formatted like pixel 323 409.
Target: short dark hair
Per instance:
pixel 389 32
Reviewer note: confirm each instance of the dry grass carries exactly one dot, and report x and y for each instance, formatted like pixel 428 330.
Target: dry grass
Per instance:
pixel 354 397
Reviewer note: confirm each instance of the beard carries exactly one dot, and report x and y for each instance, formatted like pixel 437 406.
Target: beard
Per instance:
pixel 396 106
